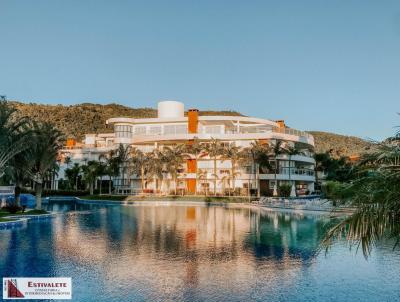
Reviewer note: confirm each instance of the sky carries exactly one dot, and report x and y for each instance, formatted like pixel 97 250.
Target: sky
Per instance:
pixel 319 65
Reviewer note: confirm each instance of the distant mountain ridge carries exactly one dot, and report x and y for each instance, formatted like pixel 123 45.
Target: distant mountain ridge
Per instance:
pixel 76 120
pixel 340 145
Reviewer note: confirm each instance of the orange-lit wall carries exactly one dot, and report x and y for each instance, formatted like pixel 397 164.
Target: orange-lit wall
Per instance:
pixel 193 120
pixel 191 168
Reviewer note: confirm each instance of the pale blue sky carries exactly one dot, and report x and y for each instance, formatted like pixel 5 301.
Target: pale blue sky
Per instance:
pixel 320 65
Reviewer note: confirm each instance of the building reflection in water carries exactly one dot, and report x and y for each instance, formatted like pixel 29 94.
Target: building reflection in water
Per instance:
pixel 169 249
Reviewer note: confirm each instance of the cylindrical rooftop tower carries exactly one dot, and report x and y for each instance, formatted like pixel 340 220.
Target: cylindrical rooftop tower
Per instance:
pixel 171 109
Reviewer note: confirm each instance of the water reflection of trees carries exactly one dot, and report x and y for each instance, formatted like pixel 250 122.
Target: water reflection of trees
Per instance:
pixel 278 235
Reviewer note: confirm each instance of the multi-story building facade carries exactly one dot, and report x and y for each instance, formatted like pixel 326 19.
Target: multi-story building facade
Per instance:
pixel 173 127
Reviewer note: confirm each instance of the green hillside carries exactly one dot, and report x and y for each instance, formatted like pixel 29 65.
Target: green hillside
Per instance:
pixel 76 120
pixel 340 145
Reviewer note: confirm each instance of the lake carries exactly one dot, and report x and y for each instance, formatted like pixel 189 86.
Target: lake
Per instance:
pixel 195 253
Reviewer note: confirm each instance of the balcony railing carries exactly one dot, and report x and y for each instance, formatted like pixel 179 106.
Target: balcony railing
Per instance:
pixel 258 130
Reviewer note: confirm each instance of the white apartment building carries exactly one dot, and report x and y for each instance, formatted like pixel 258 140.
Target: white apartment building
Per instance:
pixel 172 126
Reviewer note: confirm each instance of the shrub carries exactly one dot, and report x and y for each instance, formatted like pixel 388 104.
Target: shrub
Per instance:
pixel 284 190
pixel 59 192
pixel 12 208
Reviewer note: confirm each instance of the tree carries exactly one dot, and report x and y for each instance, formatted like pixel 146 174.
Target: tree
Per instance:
pixel 20 171
pixel 14 134
pixel 72 175
pixel 291 151
pixel 196 150
pixel 375 194
pixel 43 154
pixel 140 164
pixel 90 174
pixel 277 150
pixel 111 166
pixel 67 161
pixel 214 150
pixel 156 168
pixel 232 153
pixel 175 158
pixel 123 159
pixel 258 156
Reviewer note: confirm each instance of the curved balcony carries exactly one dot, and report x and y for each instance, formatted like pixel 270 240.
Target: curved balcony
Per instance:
pixel 151 138
pixel 293 174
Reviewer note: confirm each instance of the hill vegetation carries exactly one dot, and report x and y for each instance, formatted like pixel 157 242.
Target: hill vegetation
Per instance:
pixel 76 120
pixel 340 145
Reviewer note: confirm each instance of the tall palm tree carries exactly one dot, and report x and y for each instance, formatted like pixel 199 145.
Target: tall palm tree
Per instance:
pixel 14 133
pixel 233 153
pixel 140 164
pixel 291 151
pixel 257 155
pixel 175 156
pixel 156 168
pixel 277 149
pixel 375 196
pixel 19 170
pixel 111 163
pixel 67 161
pixel 202 176
pixel 196 150
pixel 44 154
pixel 123 157
pixel 72 175
pixel 90 174
pixel 214 150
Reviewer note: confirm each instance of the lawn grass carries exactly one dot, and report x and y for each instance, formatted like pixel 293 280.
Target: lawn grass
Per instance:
pixel 6 220
pixel 4 213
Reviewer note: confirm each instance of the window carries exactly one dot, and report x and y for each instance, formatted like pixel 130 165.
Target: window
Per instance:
pixel 123 131
pixel 140 130
pixel 181 129
pixel 213 129
pixel 175 129
pixel 155 130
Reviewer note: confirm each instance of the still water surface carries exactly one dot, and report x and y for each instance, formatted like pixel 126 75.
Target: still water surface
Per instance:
pixel 195 253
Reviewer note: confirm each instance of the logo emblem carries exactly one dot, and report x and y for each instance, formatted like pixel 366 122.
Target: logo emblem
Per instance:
pixel 37 288
pixel 12 289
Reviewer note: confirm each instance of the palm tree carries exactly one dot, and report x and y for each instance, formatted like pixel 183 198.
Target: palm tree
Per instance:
pixel 196 150
pixel 232 153
pixel 123 158
pixel 90 174
pixel 101 171
pixel 43 154
pixel 277 150
pixel 175 157
pixel 202 176
pixel 14 134
pixel 72 175
pixel 257 156
pixel 67 161
pixel 375 196
pixel 140 164
pixel 291 151
pixel 19 169
pixel 156 168
pixel 214 150
pixel 111 163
